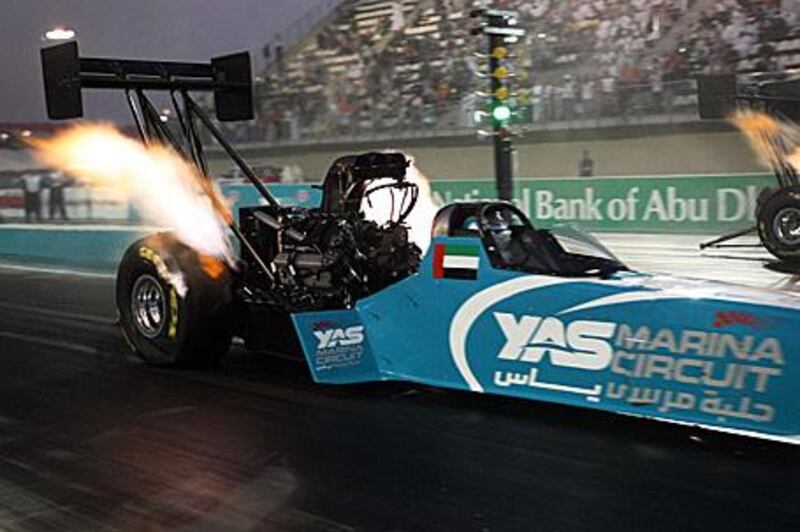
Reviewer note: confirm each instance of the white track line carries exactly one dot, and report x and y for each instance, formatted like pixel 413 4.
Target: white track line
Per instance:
pixel 50 343
pixel 63 314
pixel 56 271
pixel 83 227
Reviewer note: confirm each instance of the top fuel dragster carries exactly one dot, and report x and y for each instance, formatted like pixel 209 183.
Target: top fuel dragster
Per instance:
pixel 495 305
pixel 766 106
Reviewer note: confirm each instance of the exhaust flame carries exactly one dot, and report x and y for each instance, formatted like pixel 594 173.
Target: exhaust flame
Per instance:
pixel 213 267
pixel 774 141
pixel 167 190
pixel 381 204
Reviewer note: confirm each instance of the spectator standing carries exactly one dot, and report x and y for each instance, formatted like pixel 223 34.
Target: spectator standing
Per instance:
pixel 32 191
pixel 56 203
pixel 587 98
pixel 568 98
pixel 279 56
pixel 656 88
pixel 586 165
pixel 398 17
pixel 608 85
pixel 537 102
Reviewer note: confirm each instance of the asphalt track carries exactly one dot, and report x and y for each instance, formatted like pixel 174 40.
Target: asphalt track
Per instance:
pixel 91 439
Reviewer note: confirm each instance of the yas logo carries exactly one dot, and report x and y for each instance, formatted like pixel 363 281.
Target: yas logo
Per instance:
pixel 580 344
pixel 330 338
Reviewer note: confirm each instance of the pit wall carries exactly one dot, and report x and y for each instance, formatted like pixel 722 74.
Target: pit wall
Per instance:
pixel 697 149
pixel 709 204
pixel 89 248
pixel 98 244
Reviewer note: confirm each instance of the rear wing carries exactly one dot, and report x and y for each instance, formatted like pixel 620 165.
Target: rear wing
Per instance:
pixel 229 77
pixel 66 74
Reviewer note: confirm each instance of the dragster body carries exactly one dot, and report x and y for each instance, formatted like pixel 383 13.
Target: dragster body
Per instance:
pixel 681 350
pixel 494 305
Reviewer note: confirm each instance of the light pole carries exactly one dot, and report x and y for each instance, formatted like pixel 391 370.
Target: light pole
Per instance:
pixel 499 26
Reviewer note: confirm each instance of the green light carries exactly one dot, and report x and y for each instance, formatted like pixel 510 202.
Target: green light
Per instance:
pixel 501 113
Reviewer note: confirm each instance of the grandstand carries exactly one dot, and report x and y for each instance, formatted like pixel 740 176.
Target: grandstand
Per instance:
pixel 395 67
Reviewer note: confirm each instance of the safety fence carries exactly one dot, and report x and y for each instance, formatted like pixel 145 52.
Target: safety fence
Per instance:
pixel 305 118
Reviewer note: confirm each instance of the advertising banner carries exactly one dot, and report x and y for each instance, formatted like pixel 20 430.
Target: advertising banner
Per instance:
pixel 707 204
pixel 671 204
pixel 298 195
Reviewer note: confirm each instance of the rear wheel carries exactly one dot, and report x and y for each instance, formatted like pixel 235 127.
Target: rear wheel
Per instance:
pixel 176 307
pixel 779 223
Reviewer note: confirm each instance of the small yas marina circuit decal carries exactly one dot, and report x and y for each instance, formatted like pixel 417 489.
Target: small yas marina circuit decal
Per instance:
pixel 337 346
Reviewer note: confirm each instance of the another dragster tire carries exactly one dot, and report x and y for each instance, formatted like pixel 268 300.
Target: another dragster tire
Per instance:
pixel 779 223
pixel 172 312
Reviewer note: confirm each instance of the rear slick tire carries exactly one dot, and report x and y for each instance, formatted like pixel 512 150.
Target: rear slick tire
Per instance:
pixel 172 312
pixel 779 223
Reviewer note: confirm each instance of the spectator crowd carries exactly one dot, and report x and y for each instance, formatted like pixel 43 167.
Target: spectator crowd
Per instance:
pixel 388 65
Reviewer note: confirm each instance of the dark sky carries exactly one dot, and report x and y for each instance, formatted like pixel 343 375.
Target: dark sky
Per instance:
pixel 169 29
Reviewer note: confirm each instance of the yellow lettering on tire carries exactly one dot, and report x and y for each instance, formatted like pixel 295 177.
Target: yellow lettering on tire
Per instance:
pixel 173 314
pixel 151 256
pixel 175 279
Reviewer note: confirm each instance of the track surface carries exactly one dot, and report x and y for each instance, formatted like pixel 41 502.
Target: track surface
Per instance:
pixel 90 439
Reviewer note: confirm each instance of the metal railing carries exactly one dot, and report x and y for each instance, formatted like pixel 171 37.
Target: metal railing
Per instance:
pixel 288 118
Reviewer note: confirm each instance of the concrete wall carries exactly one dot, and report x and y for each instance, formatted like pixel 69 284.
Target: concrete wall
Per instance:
pixel 616 153
pixel 95 248
pixel 697 148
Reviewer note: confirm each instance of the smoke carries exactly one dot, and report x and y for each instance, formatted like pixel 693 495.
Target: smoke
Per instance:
pixel 382 203
pixel 166 190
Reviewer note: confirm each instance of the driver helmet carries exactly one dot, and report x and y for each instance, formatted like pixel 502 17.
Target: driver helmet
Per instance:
pixel 499 227
pixel 497 223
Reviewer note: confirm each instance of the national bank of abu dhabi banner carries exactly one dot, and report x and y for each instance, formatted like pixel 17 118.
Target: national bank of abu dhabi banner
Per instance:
pixel 672 204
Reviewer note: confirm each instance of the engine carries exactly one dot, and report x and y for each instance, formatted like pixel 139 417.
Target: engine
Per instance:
pixel 322 260
pixel 331 256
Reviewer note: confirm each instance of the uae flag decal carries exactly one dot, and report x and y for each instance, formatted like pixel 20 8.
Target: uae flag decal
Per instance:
pixel 455 261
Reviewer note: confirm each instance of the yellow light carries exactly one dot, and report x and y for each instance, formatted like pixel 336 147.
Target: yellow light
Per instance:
pixel 500 72
pixel 500 52
pixel 501 93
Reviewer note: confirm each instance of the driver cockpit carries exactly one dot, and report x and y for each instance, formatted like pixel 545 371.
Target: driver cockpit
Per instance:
pixel 512 243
